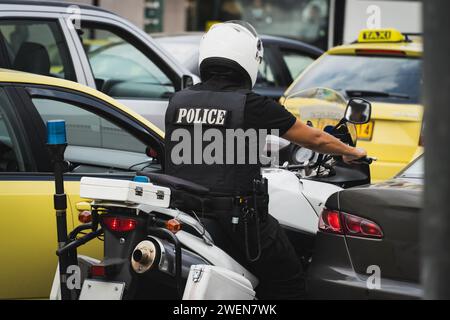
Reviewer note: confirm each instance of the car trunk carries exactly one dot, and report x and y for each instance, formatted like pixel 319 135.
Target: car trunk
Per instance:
pixel 393 133
pixel 391 136
pixel 395 206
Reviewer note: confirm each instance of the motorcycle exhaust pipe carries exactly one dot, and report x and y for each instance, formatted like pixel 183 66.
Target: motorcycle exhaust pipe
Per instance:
pixel 160 255
pixel 145 256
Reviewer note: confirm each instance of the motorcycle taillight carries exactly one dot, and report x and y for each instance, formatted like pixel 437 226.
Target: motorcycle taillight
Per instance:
pixel 118 224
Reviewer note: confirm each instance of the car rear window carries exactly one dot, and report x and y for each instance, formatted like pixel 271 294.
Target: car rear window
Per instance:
pixel 399 78
pixel 414 170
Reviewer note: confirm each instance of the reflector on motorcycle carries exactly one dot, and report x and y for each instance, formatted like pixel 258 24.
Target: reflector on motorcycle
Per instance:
pixel 98 271
pixel 173 225
pixel 85 216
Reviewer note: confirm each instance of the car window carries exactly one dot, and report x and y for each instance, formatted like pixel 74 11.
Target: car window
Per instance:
pixel 12 158
pixel 185 53
pixel 266 76
pixel 95 144
pixel 121 70
pixel 37 46
pixel 398 78
pixel 295 61
pixel 306 20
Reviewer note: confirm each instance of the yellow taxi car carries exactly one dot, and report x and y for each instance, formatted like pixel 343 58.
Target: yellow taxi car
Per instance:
pixel 104 139
pixel 383 66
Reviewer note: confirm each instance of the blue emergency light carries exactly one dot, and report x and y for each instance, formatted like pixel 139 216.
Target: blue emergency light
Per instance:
pixel 143 179
pixel 56 132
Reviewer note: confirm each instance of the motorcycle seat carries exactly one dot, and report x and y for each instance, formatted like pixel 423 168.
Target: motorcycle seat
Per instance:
pixel 175 183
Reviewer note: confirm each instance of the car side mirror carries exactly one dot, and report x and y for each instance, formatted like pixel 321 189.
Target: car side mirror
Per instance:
pixel 151 152
pixel 358 111
pixel 186 81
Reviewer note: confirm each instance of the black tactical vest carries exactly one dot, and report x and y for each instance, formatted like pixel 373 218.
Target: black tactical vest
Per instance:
pixel 195 112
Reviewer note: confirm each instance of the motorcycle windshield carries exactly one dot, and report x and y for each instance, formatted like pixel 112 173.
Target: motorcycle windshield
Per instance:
pixel 323 107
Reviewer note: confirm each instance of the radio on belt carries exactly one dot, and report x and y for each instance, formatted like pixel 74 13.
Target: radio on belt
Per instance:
pixel 139 191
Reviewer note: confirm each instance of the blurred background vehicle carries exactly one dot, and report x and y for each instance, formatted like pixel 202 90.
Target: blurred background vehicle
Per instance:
pixel 105 139
pixel 106 52
pixel 388 72
pixel 369 236
pixel 322 23
pixel 284 59
pixel 44 35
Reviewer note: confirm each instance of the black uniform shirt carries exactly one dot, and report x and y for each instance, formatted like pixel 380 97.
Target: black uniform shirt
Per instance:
pixel 260 112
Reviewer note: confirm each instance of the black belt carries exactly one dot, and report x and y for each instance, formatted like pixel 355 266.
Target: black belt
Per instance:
pixel 206 206
pixel 223 203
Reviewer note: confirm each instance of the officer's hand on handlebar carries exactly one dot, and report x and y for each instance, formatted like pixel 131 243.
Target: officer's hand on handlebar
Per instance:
pixel 358 154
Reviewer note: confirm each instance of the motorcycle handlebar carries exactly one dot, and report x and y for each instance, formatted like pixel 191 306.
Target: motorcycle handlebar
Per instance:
pixel 295 167
pixel 366 160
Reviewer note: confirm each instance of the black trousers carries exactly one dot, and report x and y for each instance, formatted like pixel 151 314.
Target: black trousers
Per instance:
pixel 278 269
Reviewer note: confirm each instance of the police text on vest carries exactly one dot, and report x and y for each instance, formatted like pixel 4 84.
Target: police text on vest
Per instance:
pixel 214 117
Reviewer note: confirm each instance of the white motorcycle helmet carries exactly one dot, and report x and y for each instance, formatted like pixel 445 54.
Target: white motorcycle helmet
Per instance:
pixel 232 45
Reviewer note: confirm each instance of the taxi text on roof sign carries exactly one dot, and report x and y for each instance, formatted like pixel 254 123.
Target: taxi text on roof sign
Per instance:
pixel 380 35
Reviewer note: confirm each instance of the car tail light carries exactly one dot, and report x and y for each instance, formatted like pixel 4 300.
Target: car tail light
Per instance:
pixel 330 221
pixel 343 223
pixel 357 226
pixel 380 52
pixel 119 224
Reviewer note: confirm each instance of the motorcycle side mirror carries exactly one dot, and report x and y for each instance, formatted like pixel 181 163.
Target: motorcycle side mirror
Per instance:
pixel 358 111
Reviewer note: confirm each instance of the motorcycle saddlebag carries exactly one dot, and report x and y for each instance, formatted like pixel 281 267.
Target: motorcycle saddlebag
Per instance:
pixel 207 282
pixel 185 195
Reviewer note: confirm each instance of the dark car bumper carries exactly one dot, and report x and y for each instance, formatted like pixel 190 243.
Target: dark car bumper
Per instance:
pixel 331 275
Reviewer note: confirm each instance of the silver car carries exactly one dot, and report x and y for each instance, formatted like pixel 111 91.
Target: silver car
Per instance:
pixel 93 47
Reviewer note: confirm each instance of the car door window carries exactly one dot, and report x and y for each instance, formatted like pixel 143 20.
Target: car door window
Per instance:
pixel 122 70
pixel 12 156
pixel 266 76
pixel 95 144
pixel 296 62
pixel 37 46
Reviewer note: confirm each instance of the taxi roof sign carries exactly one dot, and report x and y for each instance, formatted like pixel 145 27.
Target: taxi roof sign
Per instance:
pixel 380 35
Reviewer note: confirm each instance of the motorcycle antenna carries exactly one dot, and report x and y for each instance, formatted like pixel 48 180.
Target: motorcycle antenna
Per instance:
pixel 57 143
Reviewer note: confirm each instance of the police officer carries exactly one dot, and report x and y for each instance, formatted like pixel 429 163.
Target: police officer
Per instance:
pixel 229 56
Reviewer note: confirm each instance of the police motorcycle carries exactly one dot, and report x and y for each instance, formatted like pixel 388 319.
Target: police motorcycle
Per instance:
pixel 156 249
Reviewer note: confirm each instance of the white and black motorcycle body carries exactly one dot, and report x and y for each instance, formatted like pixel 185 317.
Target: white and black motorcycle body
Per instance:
pixel 152 250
